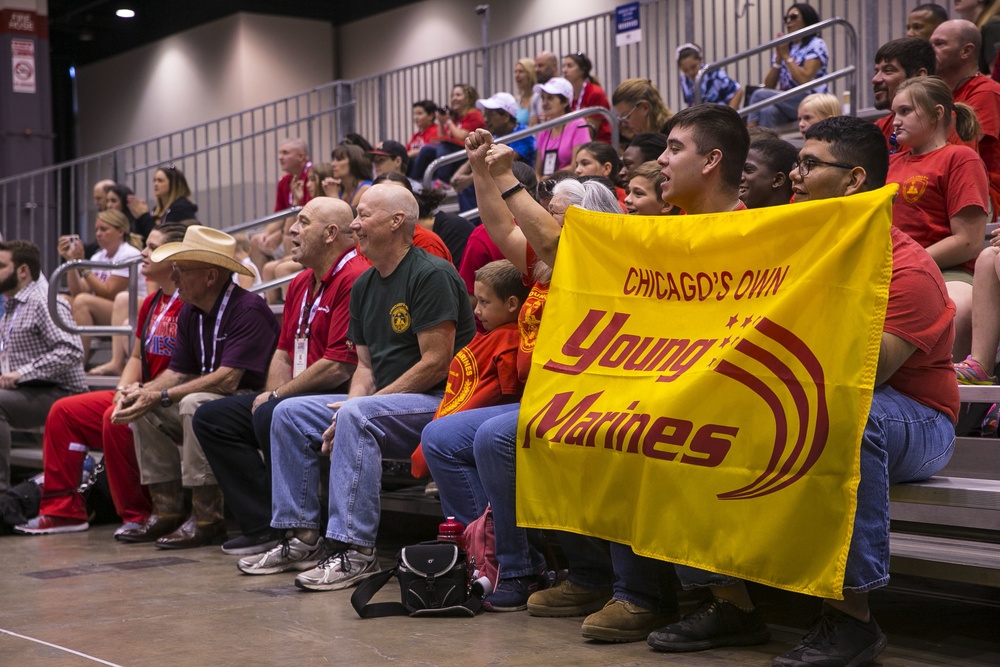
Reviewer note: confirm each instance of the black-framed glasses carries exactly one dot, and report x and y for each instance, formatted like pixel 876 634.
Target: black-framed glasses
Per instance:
pixel 805 165
pixel 792 17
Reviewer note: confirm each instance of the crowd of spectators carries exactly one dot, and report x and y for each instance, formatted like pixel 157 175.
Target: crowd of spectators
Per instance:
pixel 380 321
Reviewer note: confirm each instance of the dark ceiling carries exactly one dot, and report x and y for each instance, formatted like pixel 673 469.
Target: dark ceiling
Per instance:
pixel 83 31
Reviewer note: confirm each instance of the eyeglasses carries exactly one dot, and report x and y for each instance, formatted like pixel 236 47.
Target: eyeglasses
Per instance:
pixel 625 117
pixel 792 17
pixel 544 189
pixel 806 165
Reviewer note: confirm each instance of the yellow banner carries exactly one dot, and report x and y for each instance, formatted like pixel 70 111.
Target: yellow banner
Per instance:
pixel 700 385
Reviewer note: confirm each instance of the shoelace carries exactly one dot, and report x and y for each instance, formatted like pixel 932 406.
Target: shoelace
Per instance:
pixel 286 547
pixel 328 562
pixel 821 632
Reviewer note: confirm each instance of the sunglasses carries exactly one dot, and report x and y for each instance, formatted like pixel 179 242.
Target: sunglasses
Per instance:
pixel 792 17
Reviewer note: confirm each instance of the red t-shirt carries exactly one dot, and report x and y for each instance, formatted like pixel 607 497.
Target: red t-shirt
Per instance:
pixel 284 197
pixel 480 250
pixel 593 95
pixel 328 330
pixel 160 341
pixel 431 242
pixel 421 139
pixel 471 121
pixel 983 94
pixel 933 187
pixel 530 315
pixel 482 374
pixel 920 312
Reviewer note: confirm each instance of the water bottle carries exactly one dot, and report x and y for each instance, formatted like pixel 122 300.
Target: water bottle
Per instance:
pixel 451 530
pixel 87 478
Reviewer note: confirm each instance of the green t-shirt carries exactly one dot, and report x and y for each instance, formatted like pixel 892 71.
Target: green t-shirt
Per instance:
pixel 388 313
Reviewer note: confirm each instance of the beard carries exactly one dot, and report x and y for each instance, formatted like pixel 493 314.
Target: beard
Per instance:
pixel 8 284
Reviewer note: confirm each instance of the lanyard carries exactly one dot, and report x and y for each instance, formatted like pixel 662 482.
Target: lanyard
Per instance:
pixel 156 322
pixel 207 364
pixel 10 330
pixel 314 306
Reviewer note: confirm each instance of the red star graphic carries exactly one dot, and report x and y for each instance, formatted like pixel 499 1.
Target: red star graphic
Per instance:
pixel 725 342
pixel 746 322
pixel 732 320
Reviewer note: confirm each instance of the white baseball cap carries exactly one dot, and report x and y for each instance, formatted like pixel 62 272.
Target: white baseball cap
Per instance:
pixel 501 102
pixel 556 86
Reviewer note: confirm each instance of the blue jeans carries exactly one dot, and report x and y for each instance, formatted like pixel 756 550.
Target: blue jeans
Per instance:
pixel 489 436
pixel 903 441
pixel 781 113
pixel 597 563
pixel 368 427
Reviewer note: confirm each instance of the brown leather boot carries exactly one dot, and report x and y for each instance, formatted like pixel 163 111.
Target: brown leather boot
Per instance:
pixel 206 525
pixel 168 510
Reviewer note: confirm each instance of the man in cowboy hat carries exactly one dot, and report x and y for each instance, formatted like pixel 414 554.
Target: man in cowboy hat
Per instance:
pixel 225 338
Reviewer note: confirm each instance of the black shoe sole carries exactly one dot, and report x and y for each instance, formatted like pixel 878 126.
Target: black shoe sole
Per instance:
pixel 749 639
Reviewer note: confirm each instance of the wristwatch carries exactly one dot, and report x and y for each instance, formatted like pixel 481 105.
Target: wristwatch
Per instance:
pixel 165 401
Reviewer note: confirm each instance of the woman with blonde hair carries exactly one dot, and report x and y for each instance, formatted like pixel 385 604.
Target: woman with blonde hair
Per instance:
pixel 816 107
pixel 524 82
pixel 639 107
pixel 943 201
pixel 92 291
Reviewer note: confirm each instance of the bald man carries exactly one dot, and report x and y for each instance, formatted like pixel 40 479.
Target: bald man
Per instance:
pixel 313 357
pixel 293 158
pixel 409 316
pixel 101 193
pixel 546 67
pixel 956 46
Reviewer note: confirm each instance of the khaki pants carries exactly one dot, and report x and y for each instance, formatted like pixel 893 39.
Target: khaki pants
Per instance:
pixel 157 436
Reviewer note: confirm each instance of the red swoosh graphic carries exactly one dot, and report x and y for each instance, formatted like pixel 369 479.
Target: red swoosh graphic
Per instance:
pixel 768 482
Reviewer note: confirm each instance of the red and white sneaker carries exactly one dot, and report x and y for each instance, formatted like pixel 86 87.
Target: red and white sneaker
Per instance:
pixel 49 525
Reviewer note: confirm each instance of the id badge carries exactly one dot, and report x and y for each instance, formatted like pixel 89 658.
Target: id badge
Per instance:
pixel 4 363
pixel 299 360
pixel 550 162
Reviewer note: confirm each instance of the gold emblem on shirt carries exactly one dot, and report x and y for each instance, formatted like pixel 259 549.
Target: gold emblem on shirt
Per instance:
pixel 913 188
pixel 400 314
pixel 461 385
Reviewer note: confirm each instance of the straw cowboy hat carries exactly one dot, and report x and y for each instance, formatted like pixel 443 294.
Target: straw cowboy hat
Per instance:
pixel 203 244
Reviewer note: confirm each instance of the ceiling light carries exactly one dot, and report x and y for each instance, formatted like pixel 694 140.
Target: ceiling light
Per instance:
pixel 125 12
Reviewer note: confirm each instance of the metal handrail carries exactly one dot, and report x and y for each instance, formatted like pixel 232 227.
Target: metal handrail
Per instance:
pixel 527 132
pixel 96 329
pixel 270 217
pixel 849 71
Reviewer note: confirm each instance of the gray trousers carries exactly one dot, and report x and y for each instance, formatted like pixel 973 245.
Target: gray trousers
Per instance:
pixel 25 407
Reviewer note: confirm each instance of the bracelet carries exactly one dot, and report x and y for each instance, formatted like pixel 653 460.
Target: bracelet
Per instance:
pixel 511 192
pixel 84 272
pixel 274 394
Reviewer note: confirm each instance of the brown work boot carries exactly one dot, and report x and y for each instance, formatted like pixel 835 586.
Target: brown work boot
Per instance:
pixel 206 525
pixel 568 599
pixel 168 511
pixel 622 621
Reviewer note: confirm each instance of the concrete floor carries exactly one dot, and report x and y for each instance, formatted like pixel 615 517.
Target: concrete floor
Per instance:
pixel 84 599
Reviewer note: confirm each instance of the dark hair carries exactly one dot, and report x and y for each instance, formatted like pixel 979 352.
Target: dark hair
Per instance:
pixel 173 232
pixel 912 53
pixel 856 142
pixel 583 62
pixel 688 51
pixel 395 177
pixel 355 139
pixel 777 154
pixel 123 192
pixel 426 105
pixel 504 279
pixel 526 176
pixel 939 13
pixel 650 144
pixel 717 127
pixel 605 154
pixel 24 252
pixel 809 17
pixel 428 201
pixel 360 166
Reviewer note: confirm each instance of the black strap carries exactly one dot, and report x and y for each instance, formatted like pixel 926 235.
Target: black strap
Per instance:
pixel 367 589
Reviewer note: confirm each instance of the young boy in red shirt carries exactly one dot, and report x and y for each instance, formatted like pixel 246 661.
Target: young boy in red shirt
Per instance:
pixel 484 372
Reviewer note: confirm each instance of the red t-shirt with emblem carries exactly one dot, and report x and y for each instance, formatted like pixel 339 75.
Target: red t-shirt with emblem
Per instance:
pixel 529 317
pixel 933 187
pixel 482 374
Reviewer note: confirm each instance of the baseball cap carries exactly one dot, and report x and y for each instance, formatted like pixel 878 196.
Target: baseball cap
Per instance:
pixel 391 149
pixel 556 86
pixel 500 102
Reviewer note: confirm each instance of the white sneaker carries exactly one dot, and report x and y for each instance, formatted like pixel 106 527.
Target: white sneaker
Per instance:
pixel 44 524
pixel 340 569
pixel 290 554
